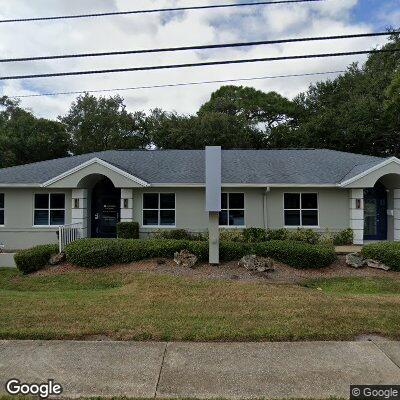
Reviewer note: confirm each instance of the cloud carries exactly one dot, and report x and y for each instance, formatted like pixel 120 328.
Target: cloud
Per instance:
pixel 176 29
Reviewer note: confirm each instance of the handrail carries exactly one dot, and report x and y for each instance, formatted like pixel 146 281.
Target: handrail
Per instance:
pixel 68 233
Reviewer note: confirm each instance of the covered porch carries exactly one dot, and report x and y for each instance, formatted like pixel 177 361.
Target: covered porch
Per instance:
pixel 375 203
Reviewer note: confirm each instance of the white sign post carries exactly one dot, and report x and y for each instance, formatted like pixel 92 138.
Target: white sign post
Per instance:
pixel 213 199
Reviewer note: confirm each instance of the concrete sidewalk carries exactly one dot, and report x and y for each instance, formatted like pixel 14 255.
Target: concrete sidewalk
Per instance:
pixel 202 370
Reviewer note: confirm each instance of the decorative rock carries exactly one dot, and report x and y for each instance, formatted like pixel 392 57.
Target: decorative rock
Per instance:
pixel 376 264
pixel 185 259
pixel 254 263
pixel 57 258
pixel 355 260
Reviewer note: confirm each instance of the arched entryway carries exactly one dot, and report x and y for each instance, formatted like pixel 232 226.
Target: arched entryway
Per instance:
pixel 375 212
pixel 105 209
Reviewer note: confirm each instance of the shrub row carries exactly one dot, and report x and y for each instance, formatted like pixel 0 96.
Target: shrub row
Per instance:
pixel 387 253
pixel 256 235
pixel 34 259
pixel 95 253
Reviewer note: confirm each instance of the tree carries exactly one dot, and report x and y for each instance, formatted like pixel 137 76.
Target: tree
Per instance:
pixel 264 111
pixel 97 124
pixel 25 138
pixel 353 112
pixel 174 131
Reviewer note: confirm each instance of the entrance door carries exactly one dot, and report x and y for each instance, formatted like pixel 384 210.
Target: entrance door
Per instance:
pixel 105 209
pixel 375 213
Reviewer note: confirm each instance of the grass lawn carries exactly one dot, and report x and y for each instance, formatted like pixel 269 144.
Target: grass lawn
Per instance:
pixel 124 304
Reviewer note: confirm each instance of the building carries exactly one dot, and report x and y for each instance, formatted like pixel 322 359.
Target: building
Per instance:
pixel 165 189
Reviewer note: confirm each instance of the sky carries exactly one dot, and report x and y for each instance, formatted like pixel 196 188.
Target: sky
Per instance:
pixel 329 17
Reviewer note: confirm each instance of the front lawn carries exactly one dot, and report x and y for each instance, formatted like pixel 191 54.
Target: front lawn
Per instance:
pixel 124 304
pixel 357 285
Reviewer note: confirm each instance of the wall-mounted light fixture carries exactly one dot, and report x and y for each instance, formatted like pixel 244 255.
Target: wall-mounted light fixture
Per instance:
pixel 76 203
pixel 358 204
pixel 126 203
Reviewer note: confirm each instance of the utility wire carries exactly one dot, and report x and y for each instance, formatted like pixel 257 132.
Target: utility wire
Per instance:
pixel 201 64
pixel 177 84
pixel 157 10
pixel 198 47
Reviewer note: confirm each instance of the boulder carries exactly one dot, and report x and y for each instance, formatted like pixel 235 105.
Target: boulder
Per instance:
pixel 255 263
pixel 355 260
pixel 57 258
pixel 376 264
pixel 185 259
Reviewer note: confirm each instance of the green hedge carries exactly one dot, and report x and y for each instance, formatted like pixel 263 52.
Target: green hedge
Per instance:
pixel 128 230
pixel 34 259
pixel 387 253
pixel 95 253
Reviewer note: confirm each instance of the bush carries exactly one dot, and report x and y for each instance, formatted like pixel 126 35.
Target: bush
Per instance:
pixel 34 259
pixel 344 237
pixel 296 254
pixel 277 234
pixel 128 230
pixel 231 235
pixel 387 253
pixel 303 235
pixel 176 234
pixel 96 253
pixel 254 235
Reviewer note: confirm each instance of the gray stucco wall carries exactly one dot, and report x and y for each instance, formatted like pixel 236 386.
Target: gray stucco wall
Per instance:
pixel 190 211
pixel 19 232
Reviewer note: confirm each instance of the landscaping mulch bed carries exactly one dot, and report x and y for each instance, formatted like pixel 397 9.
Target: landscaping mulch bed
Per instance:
pixel 231 271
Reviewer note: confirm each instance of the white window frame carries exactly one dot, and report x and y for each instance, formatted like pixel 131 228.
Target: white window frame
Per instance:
pixel 3 209
pixel 49 209
pixel 159 209
pixel 234 209
pixel 301 210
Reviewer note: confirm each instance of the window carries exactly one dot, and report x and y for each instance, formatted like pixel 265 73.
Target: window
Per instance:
pixel 159 209
pixel 49 209
pixel 301 209
pixel 1 208
pixel 232 209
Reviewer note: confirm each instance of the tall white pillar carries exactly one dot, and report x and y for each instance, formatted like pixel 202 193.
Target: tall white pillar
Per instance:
pixel 396 215
pixel 79 213
pixel 126 205
pixel 357 214
pixel 213 233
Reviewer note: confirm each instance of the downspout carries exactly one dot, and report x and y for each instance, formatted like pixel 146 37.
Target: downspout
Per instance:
pixel 265 208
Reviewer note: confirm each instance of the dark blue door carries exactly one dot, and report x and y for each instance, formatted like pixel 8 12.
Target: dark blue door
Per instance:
pixel 375 213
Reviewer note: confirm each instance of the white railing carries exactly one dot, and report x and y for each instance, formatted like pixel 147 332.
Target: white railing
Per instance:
pixel 68 234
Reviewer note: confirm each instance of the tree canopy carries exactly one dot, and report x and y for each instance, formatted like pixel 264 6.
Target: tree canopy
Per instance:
pixel 25 138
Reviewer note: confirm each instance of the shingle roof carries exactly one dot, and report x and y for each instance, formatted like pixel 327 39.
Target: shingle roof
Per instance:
pixel 290 166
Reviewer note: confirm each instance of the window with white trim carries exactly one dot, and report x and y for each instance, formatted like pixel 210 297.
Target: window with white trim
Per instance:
pixel 301 209
pixel 158 209
pixel 49 209
pixel 1 208
pixel 232 209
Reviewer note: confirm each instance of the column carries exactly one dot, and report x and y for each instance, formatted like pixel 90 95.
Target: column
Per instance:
pixel 357 214
pixel 396 214
pixel 79 209
pixel 126 205
pixel 213 233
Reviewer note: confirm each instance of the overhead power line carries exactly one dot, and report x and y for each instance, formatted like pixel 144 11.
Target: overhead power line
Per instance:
pixel 177 84
pixel 157 10
pixel 197 47
pixel 200 64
